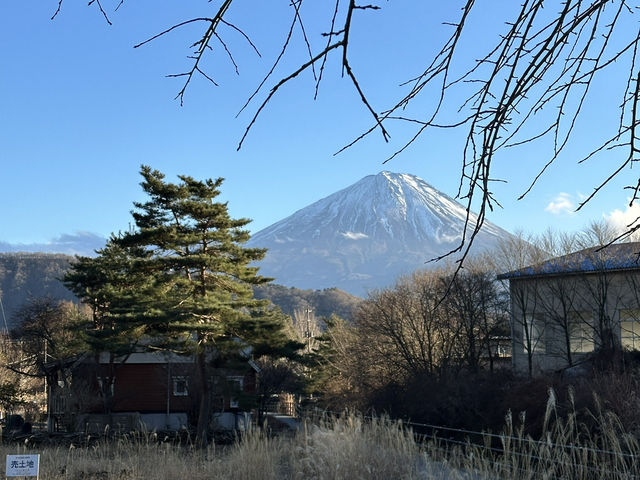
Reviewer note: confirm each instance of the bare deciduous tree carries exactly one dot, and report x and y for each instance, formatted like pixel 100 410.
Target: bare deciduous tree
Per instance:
pixel 479 309
pixel 413 329
pixel 343 373
pixel 515 253
pixel 531 85
pixel 405 330
pixel 49 331
pixel 306 328
pixel 602 293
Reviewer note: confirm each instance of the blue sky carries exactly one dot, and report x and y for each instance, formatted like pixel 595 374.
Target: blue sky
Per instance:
pixel 81 110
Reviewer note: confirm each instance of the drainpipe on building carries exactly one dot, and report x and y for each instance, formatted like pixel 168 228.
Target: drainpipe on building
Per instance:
pixel 168 423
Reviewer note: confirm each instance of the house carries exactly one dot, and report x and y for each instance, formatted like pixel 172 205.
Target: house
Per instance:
pixel 151 390
pixel 564 309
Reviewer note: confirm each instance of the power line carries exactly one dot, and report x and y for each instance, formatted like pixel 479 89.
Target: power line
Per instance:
pixel 502 437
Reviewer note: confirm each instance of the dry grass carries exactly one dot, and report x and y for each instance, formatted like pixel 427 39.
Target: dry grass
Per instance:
pixel 348 448
pixel 353 448
pixel 567 450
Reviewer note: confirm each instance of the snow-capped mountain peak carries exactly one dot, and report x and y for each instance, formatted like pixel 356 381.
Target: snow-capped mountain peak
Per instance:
pixel 365 235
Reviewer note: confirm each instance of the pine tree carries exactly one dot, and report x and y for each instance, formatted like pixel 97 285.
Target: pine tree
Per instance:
pixel 117 289
pixel 201 297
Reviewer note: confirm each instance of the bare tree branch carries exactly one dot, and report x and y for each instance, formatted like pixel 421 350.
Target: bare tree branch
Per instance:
pixel 281 83
pixel 55 14
pixel 104 14
pixel 531 85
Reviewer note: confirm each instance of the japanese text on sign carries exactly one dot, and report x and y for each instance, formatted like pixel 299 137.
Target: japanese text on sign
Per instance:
pixel 22 465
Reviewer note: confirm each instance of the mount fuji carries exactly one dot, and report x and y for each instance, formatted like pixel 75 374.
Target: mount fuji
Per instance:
pixel 366 235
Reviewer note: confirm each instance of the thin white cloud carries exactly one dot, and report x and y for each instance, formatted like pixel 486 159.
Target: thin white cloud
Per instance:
pixel 354 235
pixel 562 203
pixel 80 243
pixel 622 219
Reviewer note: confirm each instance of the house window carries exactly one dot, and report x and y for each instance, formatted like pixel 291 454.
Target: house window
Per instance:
pixel 534 341
pixel 580 332
pixel 630 329
pixel 180 387
pixel 236 384
pixel 103 384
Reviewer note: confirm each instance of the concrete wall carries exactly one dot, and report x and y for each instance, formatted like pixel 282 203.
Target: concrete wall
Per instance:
pixel 592 300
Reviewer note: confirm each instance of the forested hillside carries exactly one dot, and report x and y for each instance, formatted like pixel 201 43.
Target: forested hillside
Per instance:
pixel 30 275
pixel 322 302
pixel 34 275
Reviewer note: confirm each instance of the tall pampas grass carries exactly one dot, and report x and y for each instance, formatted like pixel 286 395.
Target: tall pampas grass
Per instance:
pixel 353 447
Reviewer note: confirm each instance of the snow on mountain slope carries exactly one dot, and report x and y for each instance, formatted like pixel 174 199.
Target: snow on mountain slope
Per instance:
pixel 364 236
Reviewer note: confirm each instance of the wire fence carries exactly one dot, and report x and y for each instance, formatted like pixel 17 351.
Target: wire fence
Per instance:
pixel 512 455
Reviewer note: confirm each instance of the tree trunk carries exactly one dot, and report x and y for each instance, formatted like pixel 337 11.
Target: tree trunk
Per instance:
pixel 204 410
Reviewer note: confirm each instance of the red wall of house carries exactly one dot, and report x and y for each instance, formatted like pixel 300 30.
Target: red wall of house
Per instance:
pixel 143 388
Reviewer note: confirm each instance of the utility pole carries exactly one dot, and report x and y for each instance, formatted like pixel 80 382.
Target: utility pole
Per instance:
pixel 4 317
pixel 308 310
pixel 47 391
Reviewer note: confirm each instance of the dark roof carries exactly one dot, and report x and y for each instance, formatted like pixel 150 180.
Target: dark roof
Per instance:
pixel 619 256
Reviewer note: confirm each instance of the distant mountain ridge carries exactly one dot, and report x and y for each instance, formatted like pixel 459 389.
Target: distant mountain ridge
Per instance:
pixel 362 237
pixel 26 276
pixel 366 235
pixel 78 243
pixel 323 303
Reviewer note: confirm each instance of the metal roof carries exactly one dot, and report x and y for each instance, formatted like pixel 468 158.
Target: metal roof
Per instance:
pixel 619 256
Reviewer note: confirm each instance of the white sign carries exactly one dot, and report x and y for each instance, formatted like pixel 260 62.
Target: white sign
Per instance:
pixel 22 465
